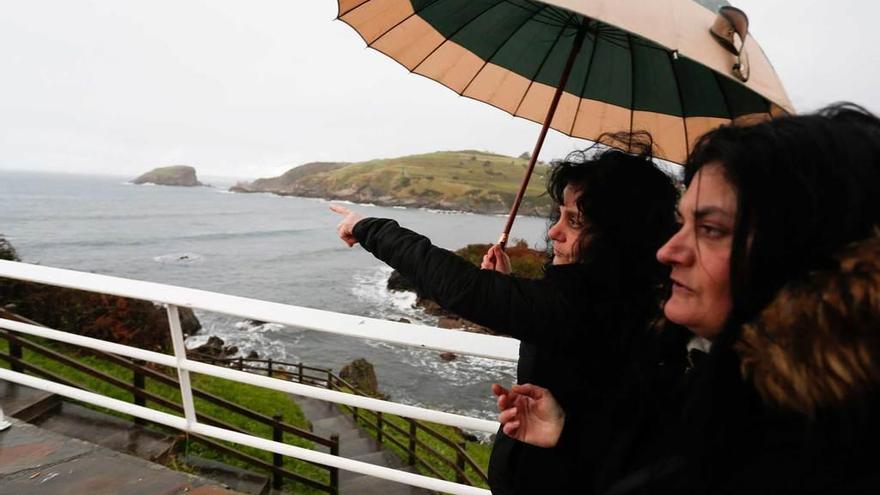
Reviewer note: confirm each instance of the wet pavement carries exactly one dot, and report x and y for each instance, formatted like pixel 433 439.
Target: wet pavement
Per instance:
pixel 33 460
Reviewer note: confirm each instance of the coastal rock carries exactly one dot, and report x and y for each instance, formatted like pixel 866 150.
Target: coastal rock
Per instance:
pixel 215 347
pixel 177 175
pixel 7 252
pixel 362 375
pixel 398 282
pixel 448 356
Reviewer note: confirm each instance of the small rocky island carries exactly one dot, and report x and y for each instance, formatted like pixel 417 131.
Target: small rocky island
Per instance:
pixel 177 175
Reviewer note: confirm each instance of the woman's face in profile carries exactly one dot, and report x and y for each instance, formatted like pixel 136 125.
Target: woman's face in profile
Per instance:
pixel 699 254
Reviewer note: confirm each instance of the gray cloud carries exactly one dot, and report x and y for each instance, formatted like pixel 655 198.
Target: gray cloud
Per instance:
pixel 246 89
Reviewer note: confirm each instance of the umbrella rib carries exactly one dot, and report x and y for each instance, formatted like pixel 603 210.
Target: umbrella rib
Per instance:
pixel 586 78
pixel 415 13
pixel 340 14
pixel 458 30
pixel 541 66
pixel 687 140
pixel 487 60
pixel 551 13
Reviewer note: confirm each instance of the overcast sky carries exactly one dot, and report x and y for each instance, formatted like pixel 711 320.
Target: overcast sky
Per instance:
pixel 251 88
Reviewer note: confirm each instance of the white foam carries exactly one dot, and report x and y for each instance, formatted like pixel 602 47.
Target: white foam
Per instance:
pixel 180 258
pixel 371 285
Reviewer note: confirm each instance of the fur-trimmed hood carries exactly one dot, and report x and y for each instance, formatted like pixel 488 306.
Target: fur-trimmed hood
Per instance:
pixel 817 345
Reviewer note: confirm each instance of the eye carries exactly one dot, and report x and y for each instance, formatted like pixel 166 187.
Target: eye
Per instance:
pixel 711 231
pixel 575 223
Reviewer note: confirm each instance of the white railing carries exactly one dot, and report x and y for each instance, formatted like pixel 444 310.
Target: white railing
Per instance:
pixel 173 297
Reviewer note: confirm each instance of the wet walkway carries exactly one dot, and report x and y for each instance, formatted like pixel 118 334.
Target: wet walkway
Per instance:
pixel 34 460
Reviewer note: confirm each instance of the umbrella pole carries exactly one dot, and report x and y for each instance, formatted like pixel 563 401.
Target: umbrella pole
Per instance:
pixel 575 49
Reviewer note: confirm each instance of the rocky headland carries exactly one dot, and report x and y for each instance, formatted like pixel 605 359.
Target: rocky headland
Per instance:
pixel 472 181
pixel 176 175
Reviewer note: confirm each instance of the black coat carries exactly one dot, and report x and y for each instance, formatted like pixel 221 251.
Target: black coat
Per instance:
pixel 786 404
pixel 577 327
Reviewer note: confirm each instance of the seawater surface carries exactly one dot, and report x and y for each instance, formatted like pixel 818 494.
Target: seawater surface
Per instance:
pixel 281 249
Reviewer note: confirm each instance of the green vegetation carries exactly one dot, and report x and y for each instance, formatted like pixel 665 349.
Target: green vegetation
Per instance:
pixel 458 180
pixel 268 402
pixel 478 451
pixel 524 261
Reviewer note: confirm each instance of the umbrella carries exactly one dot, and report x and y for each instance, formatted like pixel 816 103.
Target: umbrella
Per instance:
pixel 673 68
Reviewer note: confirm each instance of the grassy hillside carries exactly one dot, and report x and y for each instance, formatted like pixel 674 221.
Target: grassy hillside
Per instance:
pixel 455 180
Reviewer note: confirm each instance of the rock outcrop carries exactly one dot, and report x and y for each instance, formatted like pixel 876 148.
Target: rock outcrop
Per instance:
pixel 177 175
pixel 361 374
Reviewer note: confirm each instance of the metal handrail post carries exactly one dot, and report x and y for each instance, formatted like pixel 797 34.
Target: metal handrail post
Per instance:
pixel 189 409
pixel 3 423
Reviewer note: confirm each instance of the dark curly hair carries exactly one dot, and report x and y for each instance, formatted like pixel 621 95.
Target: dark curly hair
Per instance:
pixel 806 186
pixel 628 203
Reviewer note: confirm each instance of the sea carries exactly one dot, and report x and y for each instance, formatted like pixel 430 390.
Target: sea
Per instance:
pixel 275 248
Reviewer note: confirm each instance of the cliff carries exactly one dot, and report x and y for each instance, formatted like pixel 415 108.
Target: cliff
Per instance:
pixel 473 181
pixel 177 175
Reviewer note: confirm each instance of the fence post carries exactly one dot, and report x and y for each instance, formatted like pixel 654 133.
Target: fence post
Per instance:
pixel 269 368
pixel 334 472
pixel 240 363
pixel 412 442
pixel 189 409
pixel 14 351
pixel 379 427
pixel 329 379
pixel 277 459
pixel 139 384
pixel 459 461
pixel 300 372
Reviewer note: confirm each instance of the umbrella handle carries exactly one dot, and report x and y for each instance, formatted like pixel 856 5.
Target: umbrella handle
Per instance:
pixel 575 48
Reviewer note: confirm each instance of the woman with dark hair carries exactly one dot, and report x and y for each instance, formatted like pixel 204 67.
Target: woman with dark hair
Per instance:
pixel 578 323
pixel 764 272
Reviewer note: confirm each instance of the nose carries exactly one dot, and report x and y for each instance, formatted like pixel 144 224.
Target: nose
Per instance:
pixel 556 232
pixel 677 250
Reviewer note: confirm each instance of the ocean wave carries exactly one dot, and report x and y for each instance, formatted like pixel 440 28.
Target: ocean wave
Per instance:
pixel 180 258
pixel 249 336
pixel 371 286
pixel 446 212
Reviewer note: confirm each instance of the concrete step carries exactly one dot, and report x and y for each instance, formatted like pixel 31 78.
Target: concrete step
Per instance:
pixel 26 403
pixel 108 431
pixel 342 425
pixel 316 409
pixel 230 477
pixel 356 444
pixel 355 447
pixel 367 485
pixel 34 460
pixel 379 458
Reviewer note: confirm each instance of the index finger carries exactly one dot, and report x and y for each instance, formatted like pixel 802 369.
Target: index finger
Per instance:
pixel 339 209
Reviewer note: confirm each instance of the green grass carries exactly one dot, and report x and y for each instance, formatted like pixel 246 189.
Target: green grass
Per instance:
pixel 468 180
pixel 265 401
pixel 478 451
